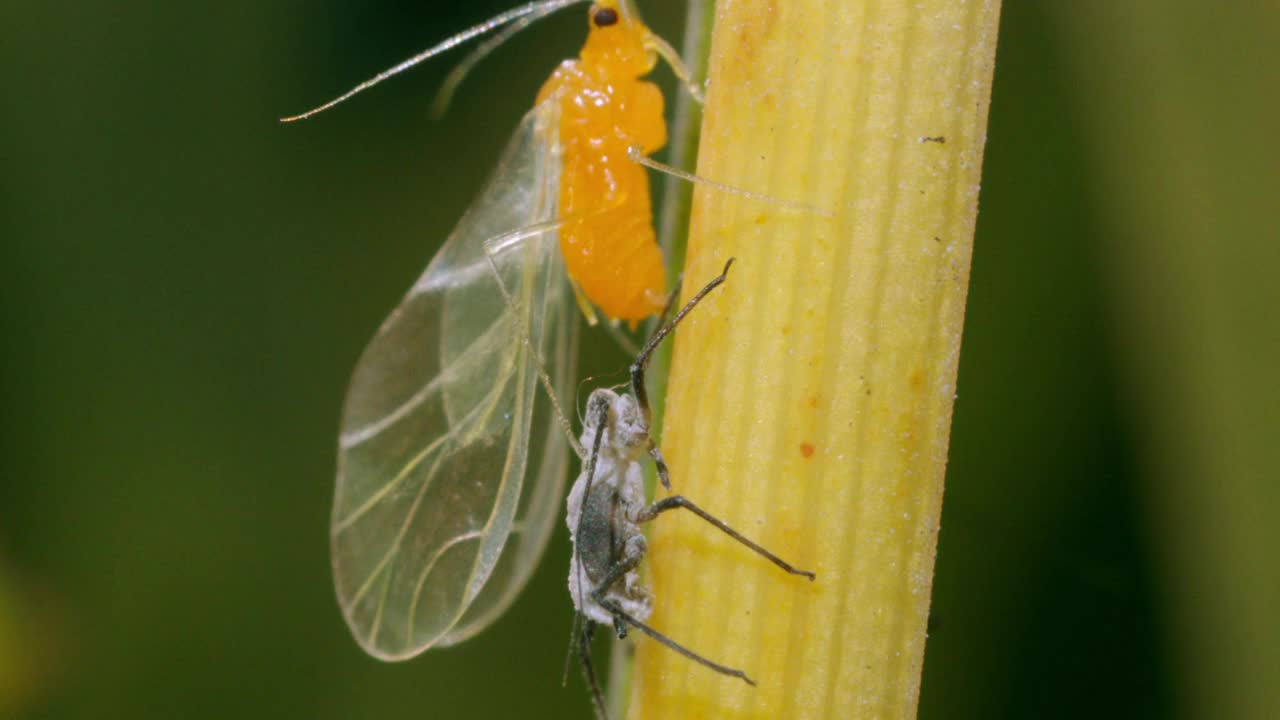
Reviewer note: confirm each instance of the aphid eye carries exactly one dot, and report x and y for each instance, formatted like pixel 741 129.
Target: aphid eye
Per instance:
pixel 604 17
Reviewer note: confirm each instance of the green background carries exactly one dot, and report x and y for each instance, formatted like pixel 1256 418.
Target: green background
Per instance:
pixel 185 285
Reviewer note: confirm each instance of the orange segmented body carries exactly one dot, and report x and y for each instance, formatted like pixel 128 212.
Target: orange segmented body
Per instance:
pixel 609 248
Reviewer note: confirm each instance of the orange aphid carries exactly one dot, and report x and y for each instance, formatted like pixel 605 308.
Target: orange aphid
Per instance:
pixel 606 112
pixel 430 538
pixel 605 108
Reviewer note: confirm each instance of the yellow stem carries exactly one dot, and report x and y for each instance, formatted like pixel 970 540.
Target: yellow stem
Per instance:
pixel 810 398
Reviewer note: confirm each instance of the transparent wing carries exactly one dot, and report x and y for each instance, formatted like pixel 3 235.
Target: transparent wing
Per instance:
pixel 431 535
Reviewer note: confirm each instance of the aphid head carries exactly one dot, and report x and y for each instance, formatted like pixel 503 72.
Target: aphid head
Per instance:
pixel 628 423
pixel 617 40
pixel 625 430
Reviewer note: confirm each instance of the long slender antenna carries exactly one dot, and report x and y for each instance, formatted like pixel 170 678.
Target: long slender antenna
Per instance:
pixel 454 79
pixel 540 8
pixel 642 360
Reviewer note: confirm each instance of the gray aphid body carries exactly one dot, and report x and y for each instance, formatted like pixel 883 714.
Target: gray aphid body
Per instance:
pixel 607 506
pixel 606 531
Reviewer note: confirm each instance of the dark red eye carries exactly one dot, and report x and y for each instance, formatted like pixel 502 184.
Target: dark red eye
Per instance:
pixel 604 17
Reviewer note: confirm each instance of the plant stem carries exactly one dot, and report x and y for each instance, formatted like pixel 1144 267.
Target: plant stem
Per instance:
pixel 677 194
pixel 810 399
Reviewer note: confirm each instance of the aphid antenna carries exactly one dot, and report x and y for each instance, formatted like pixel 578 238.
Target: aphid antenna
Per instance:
pixel 671 301
pixel 456 76
pixel 536 10
pixel 637 156
pixel 589 379
pixel 642 359
pixel 655 43
pixel 625 342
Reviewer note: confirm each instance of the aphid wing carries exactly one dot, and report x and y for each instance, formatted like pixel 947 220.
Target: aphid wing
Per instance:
pixel 553 329
pixel 547 467
pixel 439 417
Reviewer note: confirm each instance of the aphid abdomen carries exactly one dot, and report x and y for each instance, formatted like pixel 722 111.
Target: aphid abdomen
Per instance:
pixel 596 537
pixel 604 537
pixel 615 259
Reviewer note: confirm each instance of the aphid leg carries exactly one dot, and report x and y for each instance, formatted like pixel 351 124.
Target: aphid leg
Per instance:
pixel 492 247
pixel 636 155
pixel 598 415
pixel 678 68
pixel 660 463
pixel 574 630
pixel 588 310
pixel 642 360
pixel 633 553
pixel 677 501
pixel 589 672
pixel 621 615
